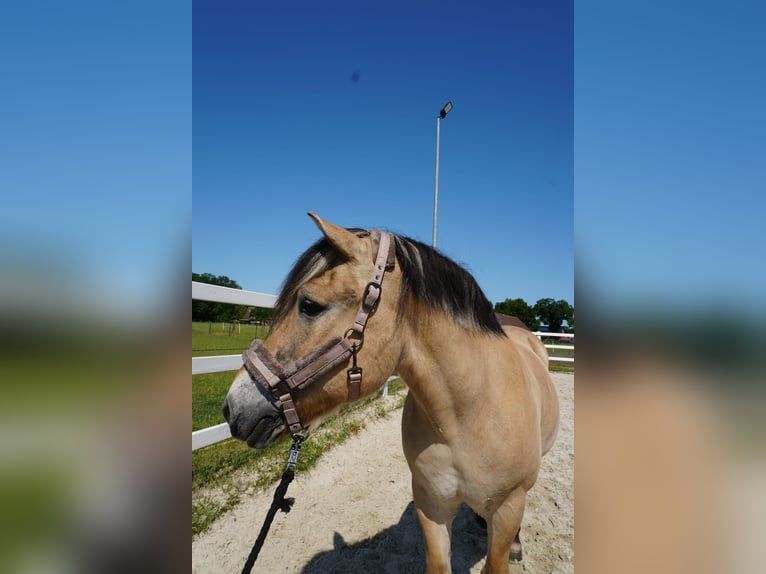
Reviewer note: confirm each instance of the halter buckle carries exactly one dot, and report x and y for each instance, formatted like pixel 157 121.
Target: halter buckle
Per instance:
pixel 371 306
pixel 354 376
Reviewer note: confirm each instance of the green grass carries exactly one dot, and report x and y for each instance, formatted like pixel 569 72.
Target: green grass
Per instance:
pixel 561 368
pixel 208 392
pixel 224 339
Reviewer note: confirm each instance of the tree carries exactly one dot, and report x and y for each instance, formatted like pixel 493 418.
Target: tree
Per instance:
pixel 521 309
pixel 209 311
pixel 553 313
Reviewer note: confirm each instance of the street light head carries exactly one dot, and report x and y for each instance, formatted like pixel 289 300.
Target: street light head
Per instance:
pixel 445 110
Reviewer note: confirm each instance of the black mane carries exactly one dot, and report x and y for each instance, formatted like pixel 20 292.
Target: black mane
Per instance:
pixel 431 278
pixel 428 278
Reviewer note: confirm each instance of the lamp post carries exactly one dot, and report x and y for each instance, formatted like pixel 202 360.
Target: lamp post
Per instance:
pixel 442 114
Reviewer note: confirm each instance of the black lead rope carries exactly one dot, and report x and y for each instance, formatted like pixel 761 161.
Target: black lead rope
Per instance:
pixel 279 502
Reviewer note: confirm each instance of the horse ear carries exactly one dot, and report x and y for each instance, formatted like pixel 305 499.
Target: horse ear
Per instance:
pixel 342 239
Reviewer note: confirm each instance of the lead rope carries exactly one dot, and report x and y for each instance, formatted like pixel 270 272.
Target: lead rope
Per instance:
pixel 278 503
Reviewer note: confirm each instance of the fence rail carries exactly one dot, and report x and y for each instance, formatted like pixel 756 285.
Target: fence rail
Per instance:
pixel 218 363
pixel 540 336
pixel 218 294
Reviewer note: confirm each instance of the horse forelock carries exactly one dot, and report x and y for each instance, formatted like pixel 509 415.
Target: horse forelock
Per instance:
pixel 315 261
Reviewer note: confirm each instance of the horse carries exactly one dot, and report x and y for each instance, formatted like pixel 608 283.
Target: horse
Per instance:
pixel 481 408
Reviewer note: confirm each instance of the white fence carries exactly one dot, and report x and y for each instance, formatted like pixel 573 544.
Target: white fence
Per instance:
pixel 218 363
pixel 570 336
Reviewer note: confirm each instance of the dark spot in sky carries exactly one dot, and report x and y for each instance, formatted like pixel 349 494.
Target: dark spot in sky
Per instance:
pixel 355 77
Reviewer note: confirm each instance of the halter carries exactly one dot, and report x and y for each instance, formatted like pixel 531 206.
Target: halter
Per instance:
pixel 265 370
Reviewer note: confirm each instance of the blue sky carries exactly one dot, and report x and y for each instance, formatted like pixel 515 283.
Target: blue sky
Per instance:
pixel 331 107
pixel 670 155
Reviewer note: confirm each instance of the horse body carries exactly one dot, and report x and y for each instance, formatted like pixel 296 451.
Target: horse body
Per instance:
pixel 482 408
pixel 474 431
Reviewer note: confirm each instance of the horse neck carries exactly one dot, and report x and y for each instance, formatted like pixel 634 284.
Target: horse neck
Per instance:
pixel 442 364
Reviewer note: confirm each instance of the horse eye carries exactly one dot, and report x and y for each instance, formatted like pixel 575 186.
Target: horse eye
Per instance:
pixel 310 308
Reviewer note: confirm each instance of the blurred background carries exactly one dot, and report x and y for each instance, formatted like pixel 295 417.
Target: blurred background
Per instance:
pixel 96 225
pixel 670 282
pixel 95 220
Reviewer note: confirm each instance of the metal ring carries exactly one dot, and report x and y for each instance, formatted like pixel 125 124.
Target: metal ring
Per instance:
pixel 359 337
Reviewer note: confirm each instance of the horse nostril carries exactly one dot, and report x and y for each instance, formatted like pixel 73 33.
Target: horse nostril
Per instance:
pixel 226 410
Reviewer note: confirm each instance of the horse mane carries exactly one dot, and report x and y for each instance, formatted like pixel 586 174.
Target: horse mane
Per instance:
pixel 428 278
pixel 432 279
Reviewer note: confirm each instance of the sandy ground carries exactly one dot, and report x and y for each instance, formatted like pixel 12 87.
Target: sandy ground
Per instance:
pixel 354 514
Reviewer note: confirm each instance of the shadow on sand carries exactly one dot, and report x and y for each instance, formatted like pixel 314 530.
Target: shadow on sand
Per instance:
pixel 399 549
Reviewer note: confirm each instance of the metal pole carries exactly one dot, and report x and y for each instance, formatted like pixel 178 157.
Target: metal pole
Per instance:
pixel 436 181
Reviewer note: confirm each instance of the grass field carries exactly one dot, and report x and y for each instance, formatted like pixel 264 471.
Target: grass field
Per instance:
pixel 224 338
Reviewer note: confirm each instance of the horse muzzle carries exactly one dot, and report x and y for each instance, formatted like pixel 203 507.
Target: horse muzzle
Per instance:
pixel 281 381
pixel 252 414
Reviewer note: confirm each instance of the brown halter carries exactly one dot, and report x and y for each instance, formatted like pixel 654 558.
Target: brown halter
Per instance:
pixel 264 369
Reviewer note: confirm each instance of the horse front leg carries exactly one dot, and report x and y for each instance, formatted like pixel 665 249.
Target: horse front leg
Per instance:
pixel 503 534
pixel 435 519
pixel 434 485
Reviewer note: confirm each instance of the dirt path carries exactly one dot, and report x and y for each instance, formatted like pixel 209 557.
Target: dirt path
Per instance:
pixel 354 514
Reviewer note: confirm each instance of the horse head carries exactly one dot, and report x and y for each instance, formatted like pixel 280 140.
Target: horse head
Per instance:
pixel 301 372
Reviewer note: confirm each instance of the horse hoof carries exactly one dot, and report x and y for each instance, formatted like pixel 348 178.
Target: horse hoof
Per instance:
pixel 515 552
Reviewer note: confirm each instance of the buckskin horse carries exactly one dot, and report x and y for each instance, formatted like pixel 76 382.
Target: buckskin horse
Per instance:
pixel 481 408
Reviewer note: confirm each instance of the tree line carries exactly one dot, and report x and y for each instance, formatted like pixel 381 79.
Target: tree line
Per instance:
pixel 548 312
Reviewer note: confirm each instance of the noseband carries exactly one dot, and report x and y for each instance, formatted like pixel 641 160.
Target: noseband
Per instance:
pixel 281 381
